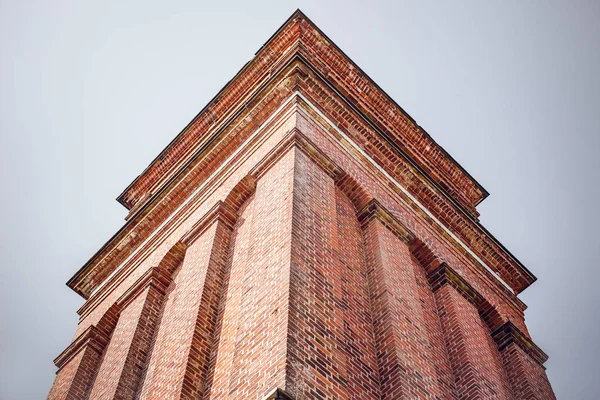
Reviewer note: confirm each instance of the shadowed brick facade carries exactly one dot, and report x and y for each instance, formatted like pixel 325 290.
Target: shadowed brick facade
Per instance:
pixel 302 238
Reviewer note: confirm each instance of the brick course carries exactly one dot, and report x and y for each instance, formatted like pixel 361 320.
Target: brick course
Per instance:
pixel 313 243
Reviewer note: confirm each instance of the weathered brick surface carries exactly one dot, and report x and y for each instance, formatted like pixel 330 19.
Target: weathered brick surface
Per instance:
pixel 527 378
pixel 475 360
pixel 302 239
pixel 403 342
pixel 74 380
pixel 180 355
pixel 126 356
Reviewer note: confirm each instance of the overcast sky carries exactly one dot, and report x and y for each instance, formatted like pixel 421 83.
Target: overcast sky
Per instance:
pixel 91 92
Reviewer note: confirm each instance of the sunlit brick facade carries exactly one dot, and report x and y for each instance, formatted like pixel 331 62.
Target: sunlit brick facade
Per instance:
pixel 302 238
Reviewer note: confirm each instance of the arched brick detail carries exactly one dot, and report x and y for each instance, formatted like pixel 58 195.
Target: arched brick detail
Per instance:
pixel 172 260
pixel 107 323
pixel 439 274
pixel 357 193
pixel 190 324
pixel 240 193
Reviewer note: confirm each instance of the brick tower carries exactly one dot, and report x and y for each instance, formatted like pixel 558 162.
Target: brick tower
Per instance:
pixel 302 238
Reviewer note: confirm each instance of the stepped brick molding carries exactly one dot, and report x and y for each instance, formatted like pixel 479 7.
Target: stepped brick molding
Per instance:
pixel 302 238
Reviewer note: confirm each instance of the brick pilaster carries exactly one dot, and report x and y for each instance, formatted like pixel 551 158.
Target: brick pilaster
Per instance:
pixel 181 352
pixel 475 360
pixel 78 365
pixel 317 356
pixel 126 355
pixel 405 360
pixel 523 362
pixel 257 305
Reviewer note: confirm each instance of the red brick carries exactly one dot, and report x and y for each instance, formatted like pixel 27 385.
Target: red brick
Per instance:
pixel 302 238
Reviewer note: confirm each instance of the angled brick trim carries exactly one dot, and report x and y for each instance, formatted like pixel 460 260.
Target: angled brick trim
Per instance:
pixel 508 334
pixel 155 277
pixel 300 36
pixel 375 210
pixel 218 212
pixel 92 338
pixel 296 139
pixel 444 275
pixel 116 250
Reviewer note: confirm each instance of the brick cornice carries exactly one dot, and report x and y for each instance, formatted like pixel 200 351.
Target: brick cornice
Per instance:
pixel 293 69
pixel 374 210
pixel 508 334
pixel 300 36
pixel 114 247
pixel 92 338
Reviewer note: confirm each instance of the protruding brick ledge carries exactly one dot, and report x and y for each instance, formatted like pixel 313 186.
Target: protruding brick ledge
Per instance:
pixel 219 212
pixel 508 334
pixel 278 394
pixel 154 277
pixel 375 210
pixel 504 334
pixel 92 338
pixel 443 275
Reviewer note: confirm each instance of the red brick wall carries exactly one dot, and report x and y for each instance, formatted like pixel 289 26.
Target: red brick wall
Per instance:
pixel 278 277
pixel 528 378
pixel 475 360
pixel 358 340
pixel 126 356
pixel 74 381
pixel 181 352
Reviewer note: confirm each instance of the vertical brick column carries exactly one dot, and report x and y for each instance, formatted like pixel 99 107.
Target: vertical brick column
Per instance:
pixel 475 360
pixel 317 354
pixel 363 374
pixel 181 352
pixel 406 365
pixel 523 362
pixel 256 309
pixel 78 365
pixel 223 352
pixel 126 355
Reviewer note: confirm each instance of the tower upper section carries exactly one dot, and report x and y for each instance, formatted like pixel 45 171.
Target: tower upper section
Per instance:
pixel 300 61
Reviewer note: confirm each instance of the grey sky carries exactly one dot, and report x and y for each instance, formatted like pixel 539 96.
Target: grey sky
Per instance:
pixel 90 92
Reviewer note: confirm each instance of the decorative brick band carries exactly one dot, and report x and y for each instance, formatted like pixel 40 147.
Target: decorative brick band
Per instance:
pixel 92 338
pixel 508 334
pixel 278 394
pixel 375 210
